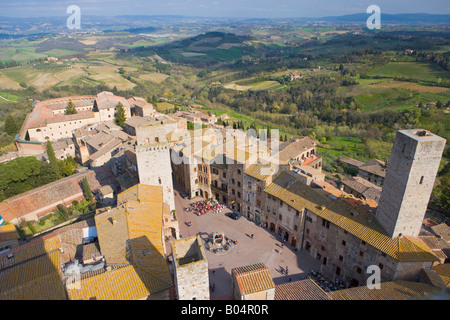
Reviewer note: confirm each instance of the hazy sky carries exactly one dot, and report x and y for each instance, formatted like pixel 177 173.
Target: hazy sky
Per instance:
pixel 219 8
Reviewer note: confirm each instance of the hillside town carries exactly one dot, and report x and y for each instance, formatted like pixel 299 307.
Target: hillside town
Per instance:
pixel 216 213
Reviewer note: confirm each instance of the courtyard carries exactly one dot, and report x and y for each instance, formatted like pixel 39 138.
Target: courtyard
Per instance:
pixel 265 247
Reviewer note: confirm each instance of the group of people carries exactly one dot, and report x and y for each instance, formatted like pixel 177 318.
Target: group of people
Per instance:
pixel 202 207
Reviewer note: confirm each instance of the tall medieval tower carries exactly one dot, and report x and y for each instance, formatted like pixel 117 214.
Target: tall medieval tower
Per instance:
pixel 153 160
pixel 410 176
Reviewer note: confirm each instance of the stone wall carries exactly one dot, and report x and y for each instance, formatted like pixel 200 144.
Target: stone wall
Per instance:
pixel 191 269
pixel 409 181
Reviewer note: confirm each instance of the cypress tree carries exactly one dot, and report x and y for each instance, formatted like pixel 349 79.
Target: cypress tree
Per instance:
pixel 87 190
pixel 70 109
pixel 53 161
pixel 119 116
pixel 11 127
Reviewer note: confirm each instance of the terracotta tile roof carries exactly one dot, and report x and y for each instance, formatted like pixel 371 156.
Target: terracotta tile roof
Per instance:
pixel 443 270
pixel 253 278
pixel 46 196
pixel 112 237
pixel 134 238
pixel 42 113
pixel 91 250
pixel 394 290
pixel 8 232
pixel 261 171
pixel 357 220
pixel 351 161
pixel 294 148
pixel 367 189
pixel 442 230
pixel 374 166
pixel 127 283
pixel 431 277
pixel 36 279
pixel 107 99
pixel 35 248
pixel 61 103
pixel 300 290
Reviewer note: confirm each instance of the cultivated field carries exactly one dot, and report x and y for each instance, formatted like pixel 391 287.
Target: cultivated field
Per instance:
pixel 153 77
pixel 412 70
pixel 410 86
pixel 262 85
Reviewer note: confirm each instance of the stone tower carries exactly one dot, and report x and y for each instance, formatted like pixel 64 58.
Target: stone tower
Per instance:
pixel 153 160
pixel 190 269
pixel 410 176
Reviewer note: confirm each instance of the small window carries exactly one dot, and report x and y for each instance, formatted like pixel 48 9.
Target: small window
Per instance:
pixel 344 243
pixel 341 258
pixel 358 270
pixel 322 248
pixel 380 265
pixel 307 231
pixel 361 254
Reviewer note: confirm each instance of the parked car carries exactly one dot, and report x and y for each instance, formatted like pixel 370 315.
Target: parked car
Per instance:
pixel 233 215
pixel 184 195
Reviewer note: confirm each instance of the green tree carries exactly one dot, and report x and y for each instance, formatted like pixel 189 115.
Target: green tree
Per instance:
pixel 18 170
pixel 11 127
pixel 53 161
pixel 120 116
pixel 70 109
pixel 67 167
pixel 87 191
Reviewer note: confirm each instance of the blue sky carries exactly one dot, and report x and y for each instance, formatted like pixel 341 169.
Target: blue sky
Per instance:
pixel 219 8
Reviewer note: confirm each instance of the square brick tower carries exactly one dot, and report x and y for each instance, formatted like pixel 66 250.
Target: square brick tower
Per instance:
pixel 410 176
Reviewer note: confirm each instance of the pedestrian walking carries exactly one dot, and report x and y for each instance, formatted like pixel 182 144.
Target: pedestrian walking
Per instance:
pixel 287 270
pixel 251 235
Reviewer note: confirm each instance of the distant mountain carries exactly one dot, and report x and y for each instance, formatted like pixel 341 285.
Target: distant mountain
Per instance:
pixel 148 24
pixel 403 18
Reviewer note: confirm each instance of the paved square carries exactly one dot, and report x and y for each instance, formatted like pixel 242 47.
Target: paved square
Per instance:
pixel 265 247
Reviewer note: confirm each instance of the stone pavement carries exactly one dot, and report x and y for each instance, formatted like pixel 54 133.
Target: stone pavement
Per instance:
pixel 265 247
